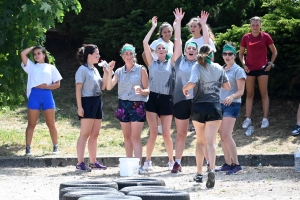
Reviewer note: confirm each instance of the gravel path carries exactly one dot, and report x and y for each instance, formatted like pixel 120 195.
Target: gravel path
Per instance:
pixel 255 183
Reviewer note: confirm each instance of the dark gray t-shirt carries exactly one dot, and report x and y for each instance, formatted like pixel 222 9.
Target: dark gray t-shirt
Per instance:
pixel 161 78
pixel 234 73
pixel 183 68
pixel 208 82
pixel 90 79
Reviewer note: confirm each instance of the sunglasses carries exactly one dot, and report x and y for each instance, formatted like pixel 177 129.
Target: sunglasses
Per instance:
pixel 229 54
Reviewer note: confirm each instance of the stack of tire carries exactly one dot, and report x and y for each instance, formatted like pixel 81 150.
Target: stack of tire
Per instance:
pixel 123 188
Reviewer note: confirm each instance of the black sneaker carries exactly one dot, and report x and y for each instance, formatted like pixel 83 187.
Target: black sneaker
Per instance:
pixel 198 178
pixel 296 130
pixel 210 183
pixel 55 149
pixel 28 151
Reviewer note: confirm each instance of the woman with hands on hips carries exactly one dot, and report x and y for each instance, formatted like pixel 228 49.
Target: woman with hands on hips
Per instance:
pixel 89 86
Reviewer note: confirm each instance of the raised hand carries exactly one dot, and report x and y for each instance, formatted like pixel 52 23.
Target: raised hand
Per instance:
pixel 204 15
pixel 111 65
pixel 154 21
pixel 178 14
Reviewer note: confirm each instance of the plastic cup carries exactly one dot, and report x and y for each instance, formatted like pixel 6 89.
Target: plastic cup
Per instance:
pixel 135 88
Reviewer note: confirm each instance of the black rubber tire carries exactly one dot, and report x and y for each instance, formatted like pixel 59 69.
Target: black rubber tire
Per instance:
pixel 126 190
pixel 88 184
pixel 73 189
pixel 109 197
pixel 125 182
pixel 82 193
pixel 161 195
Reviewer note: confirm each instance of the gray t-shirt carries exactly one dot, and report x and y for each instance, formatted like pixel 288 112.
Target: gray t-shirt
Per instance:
pixel 183 68
pixel 234 73
pixel 91 81
pixel 208 82
pixel 161 77
pixel 126 82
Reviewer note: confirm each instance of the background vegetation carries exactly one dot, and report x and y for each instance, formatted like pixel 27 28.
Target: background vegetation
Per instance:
pixel 111 23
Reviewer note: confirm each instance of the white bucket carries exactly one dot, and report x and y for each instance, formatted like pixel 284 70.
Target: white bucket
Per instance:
pixel 129 166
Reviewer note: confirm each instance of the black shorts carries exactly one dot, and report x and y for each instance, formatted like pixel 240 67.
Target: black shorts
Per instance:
pixel 258 73
pixel 160 103
pixel 92 107
pixel 205 112
pixel 183 109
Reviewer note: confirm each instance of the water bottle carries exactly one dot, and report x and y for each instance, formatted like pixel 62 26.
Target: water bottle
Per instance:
pixel 250 130
pixel 297 159
pixel 104 64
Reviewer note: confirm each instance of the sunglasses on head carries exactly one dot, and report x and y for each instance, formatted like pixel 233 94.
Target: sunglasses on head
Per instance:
pixel 229 54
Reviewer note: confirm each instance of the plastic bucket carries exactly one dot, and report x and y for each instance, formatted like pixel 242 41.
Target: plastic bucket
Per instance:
pixel 129 166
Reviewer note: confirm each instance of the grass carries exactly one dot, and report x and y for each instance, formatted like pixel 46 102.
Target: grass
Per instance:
pixel 274 139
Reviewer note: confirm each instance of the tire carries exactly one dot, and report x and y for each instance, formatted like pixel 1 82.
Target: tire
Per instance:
pixel 82 193
pixel 109 197
pixel 125 182
pixel 73 189
pixel 161 195
pixel 126 190
pixel 88 184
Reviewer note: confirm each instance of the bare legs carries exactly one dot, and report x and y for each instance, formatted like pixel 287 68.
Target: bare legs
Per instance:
pixel 206 136
pixel 227 142
pixel 89 130
pixel 33 116
pixel 182 129
pixel 263 88
pixel 132 138
pixel 166 121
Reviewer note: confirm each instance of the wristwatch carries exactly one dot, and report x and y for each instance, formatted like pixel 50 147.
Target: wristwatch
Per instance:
pixel 272 64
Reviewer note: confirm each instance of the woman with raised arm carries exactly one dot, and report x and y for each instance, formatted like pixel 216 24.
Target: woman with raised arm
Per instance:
pixel 89 86
pixel 133 92
pixel 208 77
pixel 160 103
pixel 42 78
pixel 165 33
pixel 183 66
pixel 231 103
pixel 256 65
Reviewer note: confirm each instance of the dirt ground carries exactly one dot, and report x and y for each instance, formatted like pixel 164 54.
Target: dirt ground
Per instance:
pixel 255 183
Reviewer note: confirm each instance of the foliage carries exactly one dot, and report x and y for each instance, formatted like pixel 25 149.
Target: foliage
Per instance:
pixel 23 23
pixel 282 22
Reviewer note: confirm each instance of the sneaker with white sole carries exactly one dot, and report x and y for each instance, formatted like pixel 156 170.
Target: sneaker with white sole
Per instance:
pixel 159 130
pixel 247 123
pixel 28 151
pixel 296 130
pixel 148 165
pixel 142 171
pixel 170 165
pixel 55 149
pixel 264 123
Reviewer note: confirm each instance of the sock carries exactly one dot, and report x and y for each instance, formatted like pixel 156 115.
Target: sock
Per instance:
pixel 178 161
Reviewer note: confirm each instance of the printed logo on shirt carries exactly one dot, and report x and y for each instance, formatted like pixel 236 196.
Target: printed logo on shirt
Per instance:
pixel 253 43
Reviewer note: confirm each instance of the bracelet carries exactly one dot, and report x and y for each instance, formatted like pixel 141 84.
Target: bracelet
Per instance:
pixel 272 64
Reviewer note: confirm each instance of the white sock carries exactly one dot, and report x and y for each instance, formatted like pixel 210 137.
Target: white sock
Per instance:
pixel 178 161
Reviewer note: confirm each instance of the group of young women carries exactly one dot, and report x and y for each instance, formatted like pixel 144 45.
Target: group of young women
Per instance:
pixel 183 82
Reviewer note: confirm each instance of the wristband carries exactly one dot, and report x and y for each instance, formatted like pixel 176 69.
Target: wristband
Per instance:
pixel 272 64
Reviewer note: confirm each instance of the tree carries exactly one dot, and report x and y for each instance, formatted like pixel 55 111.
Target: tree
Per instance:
pixel 23 23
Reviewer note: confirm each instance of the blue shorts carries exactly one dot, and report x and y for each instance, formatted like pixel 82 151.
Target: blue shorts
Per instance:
pixel 131 111
pixel 232 110
pixel 92 107
pixel 40 98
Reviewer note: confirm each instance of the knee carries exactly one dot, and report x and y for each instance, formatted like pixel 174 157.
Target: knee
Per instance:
pixel 181 137
pixel 136 140
pixel 250 95
pixel 94 136
pixel 51 125
pixel 166 136
pixel 31 125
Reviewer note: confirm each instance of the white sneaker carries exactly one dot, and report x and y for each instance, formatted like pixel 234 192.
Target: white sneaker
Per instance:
pixel 159 129
pixel 170 165
pixel 247 123
pixel 264 123
pixel 148 165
